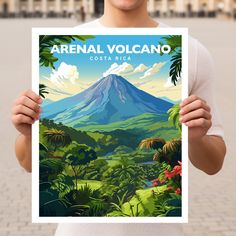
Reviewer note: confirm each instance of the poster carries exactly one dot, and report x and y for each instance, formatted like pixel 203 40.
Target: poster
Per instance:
pixel 109 146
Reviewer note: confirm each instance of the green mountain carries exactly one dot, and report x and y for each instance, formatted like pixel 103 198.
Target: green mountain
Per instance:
pixel 145 125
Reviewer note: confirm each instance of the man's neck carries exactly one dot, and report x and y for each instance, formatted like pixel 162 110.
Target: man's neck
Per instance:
pixel 138 17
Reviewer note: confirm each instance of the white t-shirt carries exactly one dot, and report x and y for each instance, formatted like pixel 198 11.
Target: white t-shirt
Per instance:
pixel 201 78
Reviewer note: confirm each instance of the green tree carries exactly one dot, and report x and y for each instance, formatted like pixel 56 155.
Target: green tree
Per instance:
pixel 77 157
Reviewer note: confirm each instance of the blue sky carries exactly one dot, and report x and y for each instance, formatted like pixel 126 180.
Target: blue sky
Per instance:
pixel 90 71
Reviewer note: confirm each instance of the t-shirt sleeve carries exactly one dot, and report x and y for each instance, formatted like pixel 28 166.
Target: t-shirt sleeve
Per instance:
pixel 203 87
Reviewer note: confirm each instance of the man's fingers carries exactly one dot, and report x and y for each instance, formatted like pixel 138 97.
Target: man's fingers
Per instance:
pixel 24 110
pixel 22 119
pixel 200 113
pixel 190 99
pixel 26 101
pixel 32 95
pixel 201 122
pixel 197 104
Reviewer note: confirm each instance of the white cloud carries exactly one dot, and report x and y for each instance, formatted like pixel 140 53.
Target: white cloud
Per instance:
pixel 112 68
pixel 118 69
pixel 153 70
pixel 64 73
pixel 140 68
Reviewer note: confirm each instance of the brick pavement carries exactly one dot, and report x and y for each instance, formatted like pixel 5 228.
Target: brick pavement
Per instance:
pixel 212 198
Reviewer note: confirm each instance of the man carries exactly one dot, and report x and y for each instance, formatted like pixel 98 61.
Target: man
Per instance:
pixel 198 112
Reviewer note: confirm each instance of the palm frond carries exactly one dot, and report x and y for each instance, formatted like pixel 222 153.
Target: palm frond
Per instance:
pixel 176 67
pixel 43 90
pixel 175 42
pixel 173 113
pixel 46 58
pixel 152 143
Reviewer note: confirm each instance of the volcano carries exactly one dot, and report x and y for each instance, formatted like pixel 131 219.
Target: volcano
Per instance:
pixel 110 99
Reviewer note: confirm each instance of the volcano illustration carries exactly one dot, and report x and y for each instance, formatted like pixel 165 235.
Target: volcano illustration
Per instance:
pixel 110 99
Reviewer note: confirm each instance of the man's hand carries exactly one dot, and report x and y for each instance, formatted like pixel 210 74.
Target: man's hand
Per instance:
pixel 26 110
pixel 195 113
pixel 206 152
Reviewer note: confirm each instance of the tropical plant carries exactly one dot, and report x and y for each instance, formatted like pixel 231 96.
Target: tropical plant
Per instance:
pixel 97 207
pixel 76 135
pixel 77 210
pixel 167 204
pixel 127 175
pixel 46 42
pixel 175 42
pixel 51 204
pixel 79 154
pixel 77 157
pixel 43 90
pixel 173 113
pixel 176 67
pixel 169 201
pixel 57 138
pixel 124 207
pixel 135 212
pixel 153 143
pixel 151 171
pixel 125 169
pixel 42 147
pixel 172 146
pixel 117 207
pixel 86 202
pixel 50 168
pixel 171 152
pixel 43 151
pixel 109 192
pixel 82 195
pixel 95 169
pixel 63 183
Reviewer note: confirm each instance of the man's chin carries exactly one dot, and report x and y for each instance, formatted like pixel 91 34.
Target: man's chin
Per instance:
pixel 127 5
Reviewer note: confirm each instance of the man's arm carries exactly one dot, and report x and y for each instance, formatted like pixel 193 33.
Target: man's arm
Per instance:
pixel 206 152
pixel 25 111
pixel 23 151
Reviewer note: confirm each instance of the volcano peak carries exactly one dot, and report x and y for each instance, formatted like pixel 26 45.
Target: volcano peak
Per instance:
pixel 110 99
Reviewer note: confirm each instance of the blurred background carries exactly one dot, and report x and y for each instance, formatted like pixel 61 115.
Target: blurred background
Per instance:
pixel 82 9
pixel 212 199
